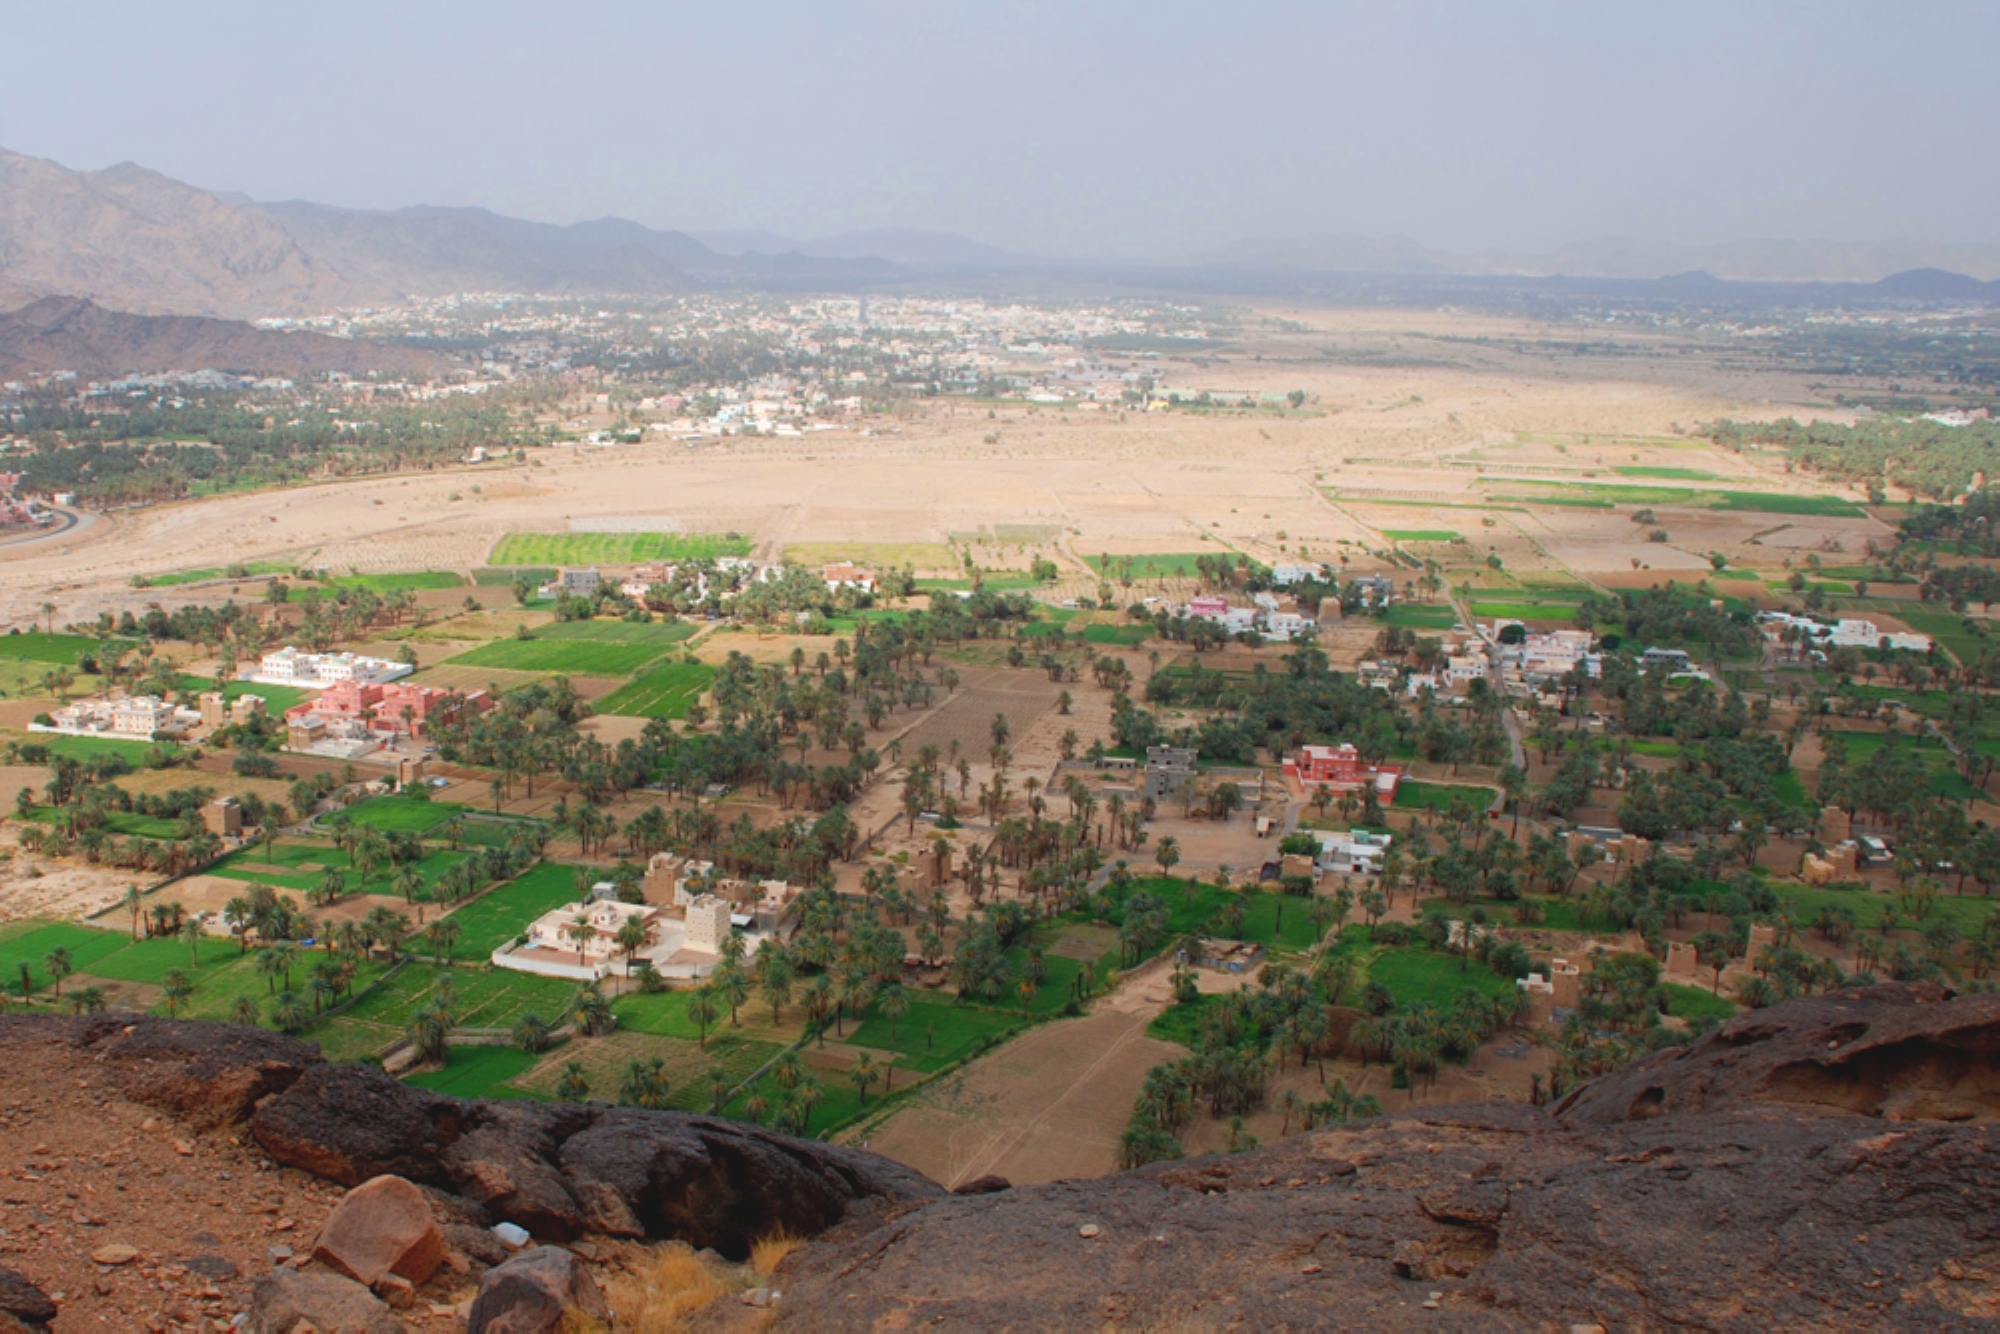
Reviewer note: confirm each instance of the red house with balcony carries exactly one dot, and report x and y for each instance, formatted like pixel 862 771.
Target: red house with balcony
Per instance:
pixel 395 707
pixel 1340 769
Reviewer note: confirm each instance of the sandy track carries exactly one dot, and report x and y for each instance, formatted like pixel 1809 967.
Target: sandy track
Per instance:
pixel 1047 1106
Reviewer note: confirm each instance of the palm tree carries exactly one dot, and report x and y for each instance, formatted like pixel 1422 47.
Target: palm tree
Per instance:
pixel 430 1033
pixel 531 1033
pixel 572 1087
pixel 176 985
pixel 581 933
pixel 864 1074
pixel 702 1009
pixel 409 883
pixel 133 902
pixel 191 936
pixel 56 963
pixel 733 988
pixel 1168 854
pixel 894 1004
pixel 719 1082
pixel 243 1011
pixel 287 1013
pixel 774 979
pixel 88 1000
pixel 590 1012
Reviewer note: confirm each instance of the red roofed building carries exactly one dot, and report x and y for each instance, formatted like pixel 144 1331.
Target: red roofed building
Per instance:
pixel 1339 769
pixel 395 707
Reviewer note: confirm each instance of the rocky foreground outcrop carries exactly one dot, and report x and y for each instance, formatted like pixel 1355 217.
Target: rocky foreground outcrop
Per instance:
pixel 558 1171
pixel 1828 1163
pixel 1784 1172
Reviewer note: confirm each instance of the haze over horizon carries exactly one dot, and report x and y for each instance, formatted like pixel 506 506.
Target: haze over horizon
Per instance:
pixel 1110 130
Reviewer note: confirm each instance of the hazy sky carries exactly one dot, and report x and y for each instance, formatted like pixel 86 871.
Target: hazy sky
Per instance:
pixel 1157 128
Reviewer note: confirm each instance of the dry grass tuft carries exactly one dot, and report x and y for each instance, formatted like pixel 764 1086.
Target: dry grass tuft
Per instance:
pixel 659 1298
pixel 768 1251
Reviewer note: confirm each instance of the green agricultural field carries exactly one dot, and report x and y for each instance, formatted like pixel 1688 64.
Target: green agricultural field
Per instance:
pixel 504 576
pixel 614 548
pixel 664 692
pixel 1557 914
pixel 85 747
pixel 128 823
pixel 1280 921
pixel 1965 637
pixel 569 655
pixel 299 865
pixel 1667 474
pixel 55 650
pixel 1162 565
pixel 1412 794
pixel 1128 636
pixel 402 815
pixel 935 1033
pixel 276 699
pixel 31 945
pixel 1603 494
pixel 1697 1003
pixel 479 1072
pixel 655 633
pixel 1422 535
pixel 502 913
pixel 1525 611
pixel 390 583
pixel 255 569
pixel 1945 779
pixel 1419 616
pixel 1428 977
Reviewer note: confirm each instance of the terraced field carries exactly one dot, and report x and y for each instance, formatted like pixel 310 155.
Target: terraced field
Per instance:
pixel 665 691
pixel 545 549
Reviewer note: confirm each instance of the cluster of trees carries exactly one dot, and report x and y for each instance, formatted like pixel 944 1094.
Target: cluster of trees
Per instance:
pixel 1240 1039
pixel 111 454
pixel 1669 615
pixel 1926 458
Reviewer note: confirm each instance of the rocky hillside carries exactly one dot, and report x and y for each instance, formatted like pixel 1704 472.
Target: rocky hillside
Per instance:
pixel 70 334
pixel 1828 1163
pixel 138 240
pixel 1786 1172
pixel 135 240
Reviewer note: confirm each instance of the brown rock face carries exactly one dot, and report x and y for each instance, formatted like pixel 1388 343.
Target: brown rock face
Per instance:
pixel 539 1291
pixel 382 1227
pixel 1731 1200
pixel 1895 1051
pixel 557 1171
pixel 23 1301
pixel 288 1301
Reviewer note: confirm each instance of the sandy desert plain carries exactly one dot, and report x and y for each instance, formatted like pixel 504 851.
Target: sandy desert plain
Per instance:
pixel 1457 438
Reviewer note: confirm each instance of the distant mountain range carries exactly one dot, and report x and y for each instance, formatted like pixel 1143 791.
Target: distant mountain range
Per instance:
pixel 135 240
pixel 58 333
pixel 1617 257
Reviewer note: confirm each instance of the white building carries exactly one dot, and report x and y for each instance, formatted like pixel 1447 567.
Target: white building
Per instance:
pixel 1352 852
pixel 1288 625
pixel 290 667
pixel 135 717
pixel 1286 575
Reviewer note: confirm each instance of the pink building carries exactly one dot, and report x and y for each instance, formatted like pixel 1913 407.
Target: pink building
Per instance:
pixel 1339 769
pixel 395 708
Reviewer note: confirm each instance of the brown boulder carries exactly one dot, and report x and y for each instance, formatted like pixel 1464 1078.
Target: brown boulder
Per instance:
pixel 21 1299
pixel 381 1227
pixel 539 1291
pixel 352 1122
pixel 1906 1052
pixel 286 1300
